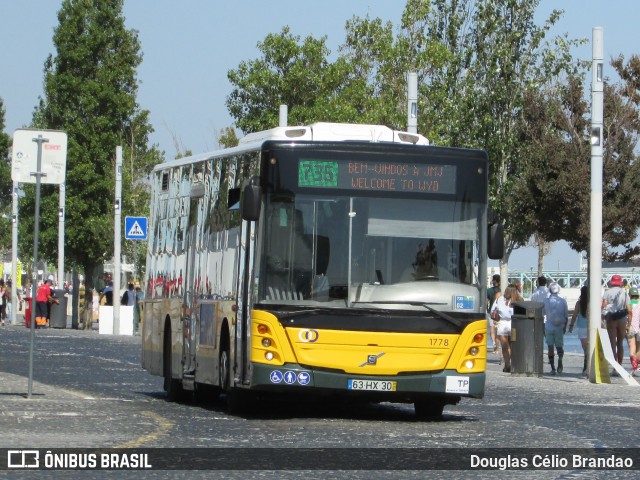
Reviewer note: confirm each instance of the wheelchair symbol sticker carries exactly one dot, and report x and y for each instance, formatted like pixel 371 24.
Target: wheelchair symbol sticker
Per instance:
pixel 276 376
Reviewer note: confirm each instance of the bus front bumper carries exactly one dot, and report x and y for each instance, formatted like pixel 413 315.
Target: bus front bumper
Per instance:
pixel 295 377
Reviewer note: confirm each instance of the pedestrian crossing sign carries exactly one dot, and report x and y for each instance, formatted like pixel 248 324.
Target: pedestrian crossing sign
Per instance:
pixel 135 228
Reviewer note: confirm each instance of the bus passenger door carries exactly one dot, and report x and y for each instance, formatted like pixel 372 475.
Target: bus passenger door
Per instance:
pixel 189 307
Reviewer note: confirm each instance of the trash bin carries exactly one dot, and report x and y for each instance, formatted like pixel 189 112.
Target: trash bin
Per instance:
pixel 27 312
pixel 527 338
pixel 58 312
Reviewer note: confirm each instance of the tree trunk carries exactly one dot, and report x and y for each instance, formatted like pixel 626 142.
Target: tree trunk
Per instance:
pixel 87 320
pixel 75 295
pixel 541 251
pixel 504 263
pixel 504 272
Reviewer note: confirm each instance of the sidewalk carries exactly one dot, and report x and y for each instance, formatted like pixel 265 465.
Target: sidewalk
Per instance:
pixel 55 416
pixel 20 321
pixel 572 372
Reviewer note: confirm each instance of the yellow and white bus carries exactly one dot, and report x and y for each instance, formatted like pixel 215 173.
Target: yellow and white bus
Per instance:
pixel 329 259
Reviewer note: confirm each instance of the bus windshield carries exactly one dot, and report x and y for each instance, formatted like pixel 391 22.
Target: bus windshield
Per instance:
pixel 364 251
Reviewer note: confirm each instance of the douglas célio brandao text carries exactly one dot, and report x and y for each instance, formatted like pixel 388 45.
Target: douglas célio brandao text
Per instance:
pixel 549 461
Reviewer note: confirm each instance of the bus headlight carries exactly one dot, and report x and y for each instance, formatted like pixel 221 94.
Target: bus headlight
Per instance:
pixel 266 342
pixel 474 351
pixel 268 356
pixel 469 364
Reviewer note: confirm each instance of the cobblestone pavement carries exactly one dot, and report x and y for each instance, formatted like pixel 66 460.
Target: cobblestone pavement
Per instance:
pixel 89 391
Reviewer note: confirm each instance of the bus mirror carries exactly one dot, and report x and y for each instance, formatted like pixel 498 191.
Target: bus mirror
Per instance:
pixel 495 247
pixel 251 202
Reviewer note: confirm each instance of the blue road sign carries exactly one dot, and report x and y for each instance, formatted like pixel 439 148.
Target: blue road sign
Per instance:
pixel 135 228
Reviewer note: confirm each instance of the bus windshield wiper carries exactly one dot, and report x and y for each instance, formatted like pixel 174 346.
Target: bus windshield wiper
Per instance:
pixel 291 314
pixel 438 313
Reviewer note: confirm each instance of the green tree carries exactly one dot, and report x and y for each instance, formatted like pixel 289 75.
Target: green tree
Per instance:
pixel 429 43
pixel 559 157
pixel 290 72
pixel 90 89
pixel 511 56
pixel 227 138
pixel 554 158
pixel 621 189
pixel 5 185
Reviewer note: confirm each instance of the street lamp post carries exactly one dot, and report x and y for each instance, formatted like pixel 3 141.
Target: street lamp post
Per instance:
pixel 595 246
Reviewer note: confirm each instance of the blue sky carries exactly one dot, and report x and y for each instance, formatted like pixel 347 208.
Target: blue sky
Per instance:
pixel 190 45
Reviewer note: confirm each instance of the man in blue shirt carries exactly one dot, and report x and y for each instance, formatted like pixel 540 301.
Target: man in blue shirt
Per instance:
pixel 557 314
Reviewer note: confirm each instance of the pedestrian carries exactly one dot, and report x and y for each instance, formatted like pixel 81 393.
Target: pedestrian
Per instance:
pixel 128 297
pixel 19 298
pixel 542 291
pixel 107 294
pixel 10 302
pixel 504 308
pixel 137 311
pixel 44 298
pixel 633 330
pixel 579 319
pixel 3 301
pixel 617 307
pixel 557 313
pixel 493 293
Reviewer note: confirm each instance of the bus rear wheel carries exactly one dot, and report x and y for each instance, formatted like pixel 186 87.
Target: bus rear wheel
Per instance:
pixel 429 409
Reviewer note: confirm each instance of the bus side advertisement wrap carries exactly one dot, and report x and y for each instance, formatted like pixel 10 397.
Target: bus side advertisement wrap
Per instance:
pixel 377 176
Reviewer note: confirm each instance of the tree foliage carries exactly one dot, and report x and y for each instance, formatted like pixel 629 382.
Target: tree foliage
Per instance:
pixel 227 138
pixel 90 89
pixel 556 134
pixel 5 185
pixel 290 72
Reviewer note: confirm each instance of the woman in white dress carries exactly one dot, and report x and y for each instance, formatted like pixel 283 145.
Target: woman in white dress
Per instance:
pixel 504 307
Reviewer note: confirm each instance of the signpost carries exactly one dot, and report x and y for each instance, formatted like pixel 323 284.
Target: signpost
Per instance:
pixel 135 228
pixel 53 160
pixel 39 156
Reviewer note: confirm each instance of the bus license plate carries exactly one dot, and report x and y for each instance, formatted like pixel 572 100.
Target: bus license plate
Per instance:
pixel 374 385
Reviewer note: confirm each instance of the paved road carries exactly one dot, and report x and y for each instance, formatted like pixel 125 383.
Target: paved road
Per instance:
pixel 89 391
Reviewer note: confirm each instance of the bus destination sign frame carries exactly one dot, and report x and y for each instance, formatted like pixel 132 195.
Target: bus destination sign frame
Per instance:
pixel 409 177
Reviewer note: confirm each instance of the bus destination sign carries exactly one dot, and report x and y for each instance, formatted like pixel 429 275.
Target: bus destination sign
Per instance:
pixel 377 176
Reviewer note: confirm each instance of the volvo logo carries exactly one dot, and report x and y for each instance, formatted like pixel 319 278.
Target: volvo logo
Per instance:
pixel 308 336
pixel 372 359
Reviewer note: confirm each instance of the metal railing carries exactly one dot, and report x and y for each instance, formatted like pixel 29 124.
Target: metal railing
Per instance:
pixel 570 279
